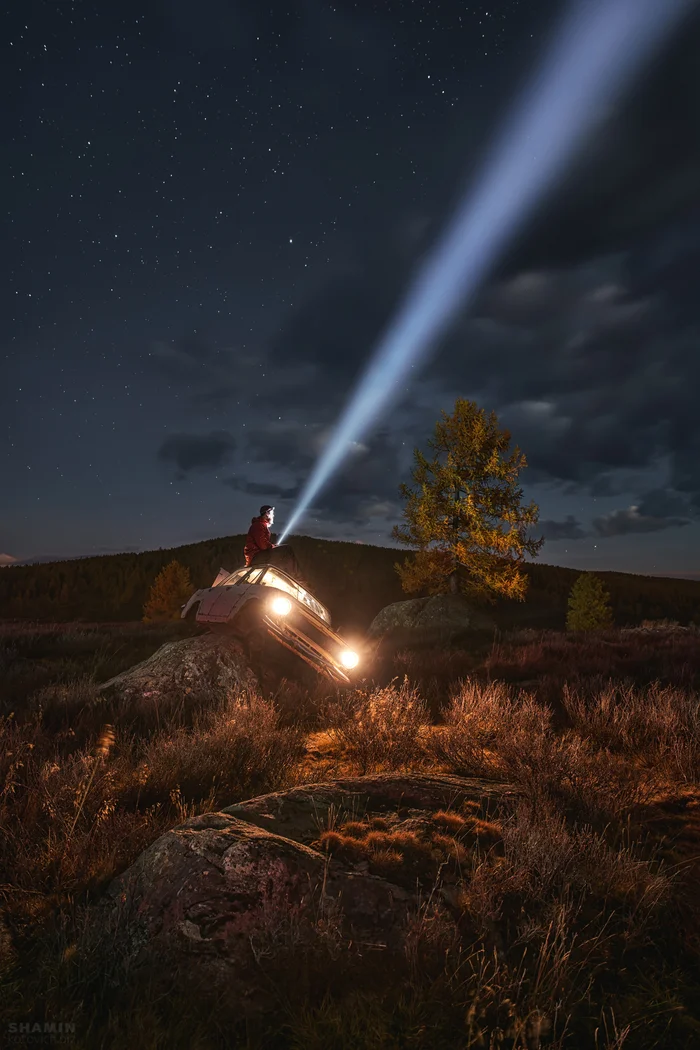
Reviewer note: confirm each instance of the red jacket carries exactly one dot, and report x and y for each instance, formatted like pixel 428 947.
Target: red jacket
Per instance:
pixel 258 539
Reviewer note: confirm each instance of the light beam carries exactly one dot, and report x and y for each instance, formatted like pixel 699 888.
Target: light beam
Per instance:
pixel 594 55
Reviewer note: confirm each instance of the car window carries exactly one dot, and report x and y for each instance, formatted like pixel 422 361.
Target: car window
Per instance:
pixel 238 575
pixel 283 583
pixel 275 579
pixel 256 575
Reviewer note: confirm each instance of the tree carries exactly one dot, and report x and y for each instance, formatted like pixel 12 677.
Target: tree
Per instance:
pixel 589 605
pixel 464 516
pixel 170 590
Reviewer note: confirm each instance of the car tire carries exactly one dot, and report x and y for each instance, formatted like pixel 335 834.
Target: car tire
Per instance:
pixel 192 613
pixel 249 629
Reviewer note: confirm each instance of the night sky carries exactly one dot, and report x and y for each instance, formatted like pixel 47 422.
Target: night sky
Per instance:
pixel 210 213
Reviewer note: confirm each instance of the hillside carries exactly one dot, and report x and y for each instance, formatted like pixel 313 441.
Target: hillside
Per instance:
pixel 354 580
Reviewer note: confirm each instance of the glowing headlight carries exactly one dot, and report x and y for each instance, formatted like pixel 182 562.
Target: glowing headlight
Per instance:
pixel 281 606
pixel 349 659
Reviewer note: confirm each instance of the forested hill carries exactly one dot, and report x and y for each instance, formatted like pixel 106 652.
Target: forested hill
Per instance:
pixel 354 580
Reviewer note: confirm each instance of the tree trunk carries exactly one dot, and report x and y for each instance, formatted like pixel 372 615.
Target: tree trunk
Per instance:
pixel 454 582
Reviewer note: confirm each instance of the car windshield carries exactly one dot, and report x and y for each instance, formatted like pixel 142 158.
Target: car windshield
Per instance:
pixel 237 575
pixel 272 578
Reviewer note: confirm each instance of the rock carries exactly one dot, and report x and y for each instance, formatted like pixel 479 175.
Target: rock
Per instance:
pixel 215 895
pixel 211 665
pixel 299 812
pixel 430 620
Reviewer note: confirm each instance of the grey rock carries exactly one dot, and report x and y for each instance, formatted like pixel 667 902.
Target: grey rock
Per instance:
pixel 214 665
pixel 220 892
pixel 302 812
pixel 430 620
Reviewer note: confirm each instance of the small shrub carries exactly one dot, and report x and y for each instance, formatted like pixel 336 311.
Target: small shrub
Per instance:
pixel 411 853
pixel 544 860
pixel 451 821
pixel 490 732
pixel 242 753
pixel 660 724
pixel 302 702
pixel 381 729
pixel 473 723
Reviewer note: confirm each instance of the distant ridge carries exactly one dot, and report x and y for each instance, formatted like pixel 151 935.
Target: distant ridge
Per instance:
pixel 354 580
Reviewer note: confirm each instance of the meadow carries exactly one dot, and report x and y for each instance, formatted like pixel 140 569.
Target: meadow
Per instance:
pixel 572 917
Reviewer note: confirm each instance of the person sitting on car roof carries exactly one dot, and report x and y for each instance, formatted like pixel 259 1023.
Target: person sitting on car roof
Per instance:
pixel 258 538
pixel 260 550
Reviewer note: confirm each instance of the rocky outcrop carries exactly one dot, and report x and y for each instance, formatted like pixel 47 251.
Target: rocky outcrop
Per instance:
pixel 430 620
pixel 219 892
pixel 298 813
pixel 211 665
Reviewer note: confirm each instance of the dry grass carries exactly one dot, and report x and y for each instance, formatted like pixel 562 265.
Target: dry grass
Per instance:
pixel 381 728
pixel 671 657
pixel 244 752
pixel 660 723
pixel 544 859
pixel 73 819
pixel 490 730
pixel 524 957
pixel 553 925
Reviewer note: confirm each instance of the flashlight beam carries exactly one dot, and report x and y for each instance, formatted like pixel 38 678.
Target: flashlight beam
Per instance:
pixel 595 54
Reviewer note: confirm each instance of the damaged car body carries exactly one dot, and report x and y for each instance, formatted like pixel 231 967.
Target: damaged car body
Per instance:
pixel 262 599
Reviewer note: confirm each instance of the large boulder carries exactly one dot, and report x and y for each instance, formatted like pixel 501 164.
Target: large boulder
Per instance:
pixel 215 895
pixel 214 666
pixel 429 621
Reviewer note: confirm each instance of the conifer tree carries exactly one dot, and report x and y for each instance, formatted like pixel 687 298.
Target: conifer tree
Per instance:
pixel 170 590
pixel 589 605
pixel 464 515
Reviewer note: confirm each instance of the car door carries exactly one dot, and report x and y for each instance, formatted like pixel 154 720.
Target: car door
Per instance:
pixel 212 595
pixel 231 596
pixel 209 599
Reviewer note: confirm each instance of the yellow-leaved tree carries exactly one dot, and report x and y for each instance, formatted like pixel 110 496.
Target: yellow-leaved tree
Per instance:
pixel 171 589
pixel 464 515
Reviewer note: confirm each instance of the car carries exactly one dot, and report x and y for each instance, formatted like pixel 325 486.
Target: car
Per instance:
pixel 263 600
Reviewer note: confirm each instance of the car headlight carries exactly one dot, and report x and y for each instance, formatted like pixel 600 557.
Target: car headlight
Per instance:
pixel 349 659
pixel 281 606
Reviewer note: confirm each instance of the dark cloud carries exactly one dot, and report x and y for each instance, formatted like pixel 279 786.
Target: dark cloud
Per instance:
pixel 261 488
pixel 190 452
pixel 640 171
pixel 598 387
pixel 336 330
pixel 604 486
pixel 289 445
pixel 631 520
pixel 366 489
pixel 569 529
pixel 584 342
pixel 663 503
pixel 685 474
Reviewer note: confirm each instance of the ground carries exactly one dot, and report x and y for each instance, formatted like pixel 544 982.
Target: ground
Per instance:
pixel 521 813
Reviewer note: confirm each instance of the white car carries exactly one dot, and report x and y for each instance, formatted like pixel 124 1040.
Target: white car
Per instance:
pixel 263 598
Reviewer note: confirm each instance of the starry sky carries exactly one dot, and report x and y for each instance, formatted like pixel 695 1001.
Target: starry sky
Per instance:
pixel 210 213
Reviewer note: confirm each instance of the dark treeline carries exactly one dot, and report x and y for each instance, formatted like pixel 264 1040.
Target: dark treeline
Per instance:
pixel 354 580
pixel 633 598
